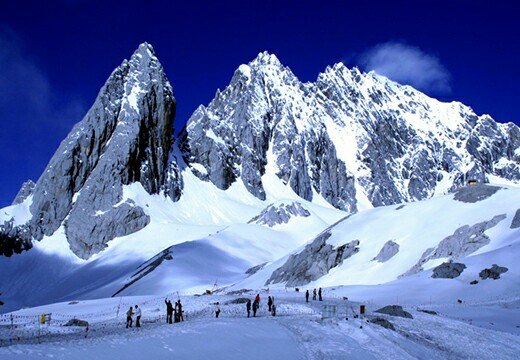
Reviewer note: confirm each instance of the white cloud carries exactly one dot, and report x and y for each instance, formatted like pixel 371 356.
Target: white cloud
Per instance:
pixel 407 65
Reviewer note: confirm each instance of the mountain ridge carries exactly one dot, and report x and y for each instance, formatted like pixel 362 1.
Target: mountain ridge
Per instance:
pixel 356 140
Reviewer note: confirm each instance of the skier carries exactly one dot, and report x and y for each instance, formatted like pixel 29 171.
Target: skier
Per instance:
pixel 179 310
pixel 169 311
pixel 314 294
pixel 269 303
pixel 307 296
pixel 248 307
pixel 129 319
pixel 217 309
pixel 255 308
pixel 137 316
pixel 319 295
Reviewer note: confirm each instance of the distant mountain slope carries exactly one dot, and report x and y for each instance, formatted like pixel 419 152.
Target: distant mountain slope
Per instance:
pixel 382 245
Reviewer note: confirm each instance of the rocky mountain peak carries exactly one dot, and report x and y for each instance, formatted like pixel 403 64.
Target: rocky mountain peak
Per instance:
pixel 125 137
pixel 265 58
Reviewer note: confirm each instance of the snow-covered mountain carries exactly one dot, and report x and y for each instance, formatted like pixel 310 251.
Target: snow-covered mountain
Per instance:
pixel 248 192
pixel 359 140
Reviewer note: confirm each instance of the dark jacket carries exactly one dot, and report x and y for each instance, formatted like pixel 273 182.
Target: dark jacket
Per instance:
pixel 169 307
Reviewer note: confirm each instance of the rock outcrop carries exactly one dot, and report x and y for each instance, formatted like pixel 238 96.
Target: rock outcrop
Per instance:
pixel 389 250
pixel 464 241
pixel 515 223
pixel 448 270
pixel 395 310
pixel 314 261
pixel 25 191
pixel 474 193
pixel 279 214
pixel 493 272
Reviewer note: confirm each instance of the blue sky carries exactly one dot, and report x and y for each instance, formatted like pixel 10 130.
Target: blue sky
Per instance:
pixel 55 55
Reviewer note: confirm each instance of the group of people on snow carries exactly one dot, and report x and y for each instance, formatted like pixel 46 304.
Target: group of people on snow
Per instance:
pixel 256 305
pixel 313 295
pixel 130 317
pixel 174 313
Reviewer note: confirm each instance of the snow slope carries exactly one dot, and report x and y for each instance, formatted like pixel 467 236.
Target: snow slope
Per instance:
pixel 206 231
pixel 415 227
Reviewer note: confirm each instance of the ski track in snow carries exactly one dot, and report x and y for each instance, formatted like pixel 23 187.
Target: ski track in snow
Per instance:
pixel 299 331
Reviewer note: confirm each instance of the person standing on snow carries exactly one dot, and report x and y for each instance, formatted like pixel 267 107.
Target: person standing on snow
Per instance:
pixel 273 307
pixel 248 307
pixel 307 296
pixel 257 299
pixel 217 309
pixel 255 307
pixel 137 316
pixel 129 319
pixel 179 310
pixel 269 303
pixel 169 311
pixel 314 294
pixel 319 295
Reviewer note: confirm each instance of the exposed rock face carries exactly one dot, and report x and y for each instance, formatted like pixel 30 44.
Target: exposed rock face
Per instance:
pixel 255 269
pixel 515 223
pixel 125 137
pixel 448 270
pixel 466 240
pixel 395 310
pixel 389 250
pixel 348 135
pixel 25 191
pixel 474 193
pixel 314 261
pixel 14 239
pixel 265 111
pixel 280 214
pixel 493 272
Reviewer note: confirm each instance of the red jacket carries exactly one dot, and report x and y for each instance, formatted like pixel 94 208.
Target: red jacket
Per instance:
pixel 257 298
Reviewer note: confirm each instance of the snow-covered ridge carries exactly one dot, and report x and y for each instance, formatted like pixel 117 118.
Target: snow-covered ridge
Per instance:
pixel 358 139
